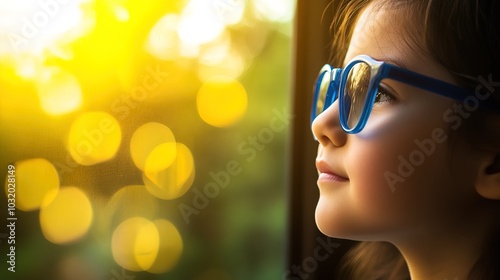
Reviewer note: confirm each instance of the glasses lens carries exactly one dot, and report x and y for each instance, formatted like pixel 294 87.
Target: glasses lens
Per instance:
pixel 355 93
pixel 322 86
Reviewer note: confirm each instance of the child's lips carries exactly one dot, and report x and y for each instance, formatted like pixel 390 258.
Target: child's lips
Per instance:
pixel 331 177
pixel 327 173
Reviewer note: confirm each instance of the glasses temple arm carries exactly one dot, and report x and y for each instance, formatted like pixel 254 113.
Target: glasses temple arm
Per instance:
pixel 427 83
pixel 434 85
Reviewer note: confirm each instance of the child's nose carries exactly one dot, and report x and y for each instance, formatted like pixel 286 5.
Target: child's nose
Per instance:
pixel 327 129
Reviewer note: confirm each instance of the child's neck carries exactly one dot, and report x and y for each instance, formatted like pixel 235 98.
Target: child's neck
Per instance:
pixel 448 252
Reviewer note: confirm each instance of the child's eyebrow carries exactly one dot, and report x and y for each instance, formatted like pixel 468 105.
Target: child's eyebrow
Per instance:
pixel 393 61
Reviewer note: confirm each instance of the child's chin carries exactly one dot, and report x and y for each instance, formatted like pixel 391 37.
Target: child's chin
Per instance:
pixel 327 224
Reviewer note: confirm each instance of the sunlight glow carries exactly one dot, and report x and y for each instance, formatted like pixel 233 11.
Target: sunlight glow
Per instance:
pixel 121 13
pixel 114 112
pixel 31 26
pixel 163 41
pixel 221 60
pixel 200 23
pixel 59 91
pixel 230 11
pixel 277 10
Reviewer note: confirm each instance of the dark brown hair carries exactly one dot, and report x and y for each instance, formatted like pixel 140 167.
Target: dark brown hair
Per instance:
pixel 464 37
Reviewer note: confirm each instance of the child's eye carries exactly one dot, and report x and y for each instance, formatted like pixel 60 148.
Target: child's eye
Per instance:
pixel 384 95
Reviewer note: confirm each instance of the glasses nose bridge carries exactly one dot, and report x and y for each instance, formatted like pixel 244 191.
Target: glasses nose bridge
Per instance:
pixel 334 88
pixel 327 124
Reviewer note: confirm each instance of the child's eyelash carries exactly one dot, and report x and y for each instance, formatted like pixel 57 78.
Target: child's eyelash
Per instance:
pixel 384 94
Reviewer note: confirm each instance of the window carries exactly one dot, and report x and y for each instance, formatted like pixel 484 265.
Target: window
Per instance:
pixel 145 140
pixel 312 255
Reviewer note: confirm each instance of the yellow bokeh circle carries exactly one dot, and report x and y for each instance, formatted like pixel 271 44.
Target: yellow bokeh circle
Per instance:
pixel 161 158
pixel 145 140
pixel 36 180
pixel 94 138
pixel 67 217
pixel 127 202
pixel 222 101
pixel 170 249
pixel 174 181
pixel 135 244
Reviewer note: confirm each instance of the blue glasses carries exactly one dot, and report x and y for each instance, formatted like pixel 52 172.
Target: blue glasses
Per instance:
pixel 356 86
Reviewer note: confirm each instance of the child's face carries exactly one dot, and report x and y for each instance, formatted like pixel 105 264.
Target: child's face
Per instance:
pixel 405 172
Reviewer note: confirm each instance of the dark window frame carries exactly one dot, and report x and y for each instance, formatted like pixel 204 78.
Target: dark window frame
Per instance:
pixel 305 242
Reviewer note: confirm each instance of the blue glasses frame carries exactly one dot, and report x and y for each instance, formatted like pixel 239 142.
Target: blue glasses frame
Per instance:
pixel 378 70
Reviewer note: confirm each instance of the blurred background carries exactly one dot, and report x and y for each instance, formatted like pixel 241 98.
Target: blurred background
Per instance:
pixel 144 139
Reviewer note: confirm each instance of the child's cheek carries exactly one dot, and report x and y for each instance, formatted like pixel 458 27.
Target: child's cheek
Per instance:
pixel 370 192
pixel 395 178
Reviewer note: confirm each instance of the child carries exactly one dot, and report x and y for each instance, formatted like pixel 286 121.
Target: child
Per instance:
pixel 409 138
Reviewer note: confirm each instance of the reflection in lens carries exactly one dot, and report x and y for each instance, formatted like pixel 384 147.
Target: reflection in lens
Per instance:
pixel 321 92
pixel 356 92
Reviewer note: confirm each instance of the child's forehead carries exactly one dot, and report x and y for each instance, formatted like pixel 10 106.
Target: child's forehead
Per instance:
pixel 386 34
pixel 383 34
